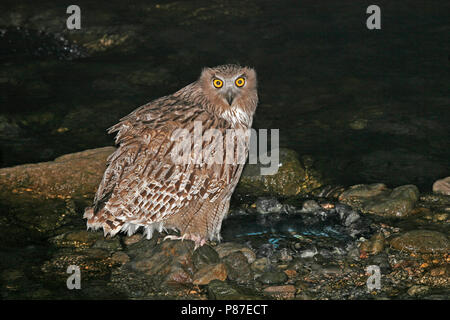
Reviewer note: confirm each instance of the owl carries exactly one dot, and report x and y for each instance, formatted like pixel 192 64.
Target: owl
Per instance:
pixel 179 159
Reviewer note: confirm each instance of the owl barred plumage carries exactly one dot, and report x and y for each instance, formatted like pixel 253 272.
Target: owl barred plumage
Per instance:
pixel 145 183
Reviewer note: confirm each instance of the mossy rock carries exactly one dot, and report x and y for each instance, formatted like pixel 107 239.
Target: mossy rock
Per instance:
pixel 292 178
pixel 379 200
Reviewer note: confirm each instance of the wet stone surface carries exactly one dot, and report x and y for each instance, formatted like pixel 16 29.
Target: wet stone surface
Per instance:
pixel 320 250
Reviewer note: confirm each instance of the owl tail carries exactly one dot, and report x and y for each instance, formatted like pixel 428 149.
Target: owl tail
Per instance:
pixel 100 220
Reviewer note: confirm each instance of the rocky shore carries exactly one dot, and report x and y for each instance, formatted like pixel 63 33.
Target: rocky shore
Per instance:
pixel 307 240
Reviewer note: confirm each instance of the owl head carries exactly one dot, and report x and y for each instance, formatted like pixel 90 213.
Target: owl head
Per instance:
pixel 231 91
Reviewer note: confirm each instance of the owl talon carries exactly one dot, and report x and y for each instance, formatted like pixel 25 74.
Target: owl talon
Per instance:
pixel 198 240
pixel 171 237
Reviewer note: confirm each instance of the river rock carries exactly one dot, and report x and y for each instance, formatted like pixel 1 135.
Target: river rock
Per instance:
pixel 373 246
pixel 423 241
pixel 210 272
pixel 418 290
pixel 109 244
pixel 135 238
pixel 292 177
pixel 92 263
pixel 281 292
pixel 120 257
pixel 276 277
pixel 227 248
pixel 223 290
pixel 238 268
pixel 380 200
pixel 267 205
pixel 77 239
pixel 169 261
pixel 310 206
pixel 205 255
pixel 75 174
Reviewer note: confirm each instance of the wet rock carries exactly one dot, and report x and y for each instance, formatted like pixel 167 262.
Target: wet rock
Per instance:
pixel 308 252
pixel 361 191
pixel 110 244
pixel 276 277
pixel 143 248
pixel 327 269
pixel 129 240
pixel 169 259
pixel 260 265
pixel 77 239
pixel 120 257
pixel 347 214
pixel 267 205
pixel 299 265
pixel 378 199
pixel 227 248
pixel 166 263
pixel 381 260
pixel 332 252
pixel 353 254
pixel 442 186
pixel 310 206
pixel 209 273
pixel 178 275
pixel 292 177
pixel 328 191
pixel 440 271
pixel 238 268
pixel 93 263
pixel 373 246
pixel 77 174
pixel 29 217
pixel 281 292
pixel 418 290
pixel 285 255
pixel 131 284
pixel 96 253
pixel 222 290
pixel 266 250
pixel 423 241
pixel 435 199
pixel 203 256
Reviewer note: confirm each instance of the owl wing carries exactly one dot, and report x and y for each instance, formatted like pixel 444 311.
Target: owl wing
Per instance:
pixel 143 183
pixel 132 132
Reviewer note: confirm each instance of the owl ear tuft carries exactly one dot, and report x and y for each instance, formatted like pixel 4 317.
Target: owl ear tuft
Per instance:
pixel 206 72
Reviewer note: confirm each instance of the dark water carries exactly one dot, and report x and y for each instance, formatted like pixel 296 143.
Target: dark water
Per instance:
pixel 369 106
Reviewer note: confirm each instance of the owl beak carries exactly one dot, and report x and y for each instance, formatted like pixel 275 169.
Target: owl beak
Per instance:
pixel 229 97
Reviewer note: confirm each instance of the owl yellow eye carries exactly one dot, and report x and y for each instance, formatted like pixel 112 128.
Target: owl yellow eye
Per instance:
pixel 217 83
pixel 240 82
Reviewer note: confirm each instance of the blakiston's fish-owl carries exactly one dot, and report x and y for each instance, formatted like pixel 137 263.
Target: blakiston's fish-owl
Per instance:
pixel 145 183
